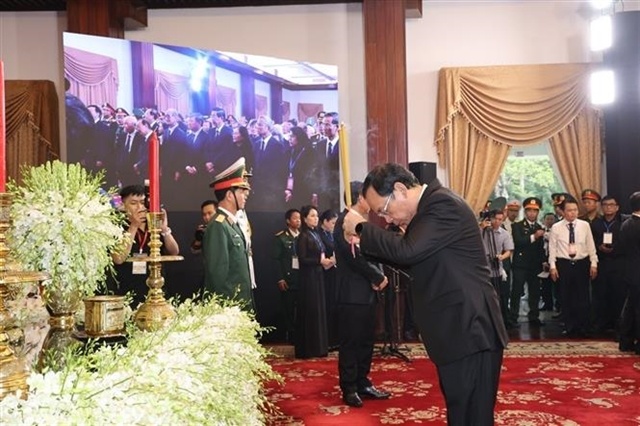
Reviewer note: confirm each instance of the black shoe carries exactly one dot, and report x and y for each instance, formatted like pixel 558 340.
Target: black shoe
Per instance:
pixel 352 399
pixel 536 322
pixel 626 345
pixel 373 393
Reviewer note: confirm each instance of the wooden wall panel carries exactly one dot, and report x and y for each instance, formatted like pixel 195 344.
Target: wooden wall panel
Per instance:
pixel 386 81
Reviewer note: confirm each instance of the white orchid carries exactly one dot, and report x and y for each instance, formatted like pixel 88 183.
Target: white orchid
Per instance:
pixel 64 225
pixel 187 373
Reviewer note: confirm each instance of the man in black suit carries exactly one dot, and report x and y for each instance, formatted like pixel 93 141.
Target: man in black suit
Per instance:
pixel 131 150
pixel 456 307
pixel 357 282
pixel 328 152
pixel 172 159
pixel 270 169
pixel 630 247
pixel 220 151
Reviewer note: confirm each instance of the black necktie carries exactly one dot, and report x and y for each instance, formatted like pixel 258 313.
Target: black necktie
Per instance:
pixel 572 234
pixel 127 145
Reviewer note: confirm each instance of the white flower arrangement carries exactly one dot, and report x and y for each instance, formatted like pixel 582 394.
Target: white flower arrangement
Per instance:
pixel 63 224
pixel 206 367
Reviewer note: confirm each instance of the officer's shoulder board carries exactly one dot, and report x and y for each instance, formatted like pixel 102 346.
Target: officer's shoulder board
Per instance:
pixel 220 218
pixel 279 233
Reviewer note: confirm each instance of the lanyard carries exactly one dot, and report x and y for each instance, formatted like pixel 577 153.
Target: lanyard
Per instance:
pixel 292 161
pixel 142 240
pixel 608 225
pixel 318 241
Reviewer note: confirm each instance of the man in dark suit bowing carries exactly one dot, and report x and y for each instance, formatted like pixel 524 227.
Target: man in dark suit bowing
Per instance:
pixel 357 282
pixel 456 308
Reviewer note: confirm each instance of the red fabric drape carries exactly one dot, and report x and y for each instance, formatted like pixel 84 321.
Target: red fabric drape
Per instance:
pixel 261 106
pixel 306 110
pixel 172 91
pixel 92 78
pixel 226 99
pixel 286 111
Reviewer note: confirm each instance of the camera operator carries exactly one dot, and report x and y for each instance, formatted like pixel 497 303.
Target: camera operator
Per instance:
pixel 208 209
pixel 132 276
pixel 498 245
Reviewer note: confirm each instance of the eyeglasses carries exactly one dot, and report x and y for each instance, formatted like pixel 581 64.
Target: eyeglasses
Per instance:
pixel 385 212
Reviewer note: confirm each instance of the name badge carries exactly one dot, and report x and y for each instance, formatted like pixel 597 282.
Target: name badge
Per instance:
pixel 139 268
pixel 607 238
pixel 294 263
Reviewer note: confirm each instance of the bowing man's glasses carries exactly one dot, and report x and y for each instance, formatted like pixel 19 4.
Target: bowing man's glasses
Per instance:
pixel 385 209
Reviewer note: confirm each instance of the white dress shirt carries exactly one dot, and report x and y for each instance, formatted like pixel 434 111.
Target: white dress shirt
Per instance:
pixel 559 242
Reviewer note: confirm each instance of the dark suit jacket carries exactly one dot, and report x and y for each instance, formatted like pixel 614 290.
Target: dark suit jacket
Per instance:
pixel 221 151
pixel 172 152
pixel 126 159
pixel 269 176
pixel 456 308
pixel 304 171
pixel 329 176
pixel 527 255
pixel 355 274
pixel 630 247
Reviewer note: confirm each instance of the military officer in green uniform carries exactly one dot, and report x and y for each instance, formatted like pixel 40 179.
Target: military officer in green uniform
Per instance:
pixel 287 271
pixel 226 253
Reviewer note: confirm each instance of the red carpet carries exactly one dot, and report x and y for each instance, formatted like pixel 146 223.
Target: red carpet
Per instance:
pixel 551 383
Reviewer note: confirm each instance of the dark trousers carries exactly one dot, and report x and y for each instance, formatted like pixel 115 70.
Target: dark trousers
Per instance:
pixel 502 288
pixel 630 319
pixel 470 386
pixel 608 293
pixel 289 300
pixel 546 293
pixel 520 276
pixel 574 284
pixel 357 323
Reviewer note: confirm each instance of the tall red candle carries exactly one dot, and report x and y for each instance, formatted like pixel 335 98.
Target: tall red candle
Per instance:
pixel 154 173
pixel 3 134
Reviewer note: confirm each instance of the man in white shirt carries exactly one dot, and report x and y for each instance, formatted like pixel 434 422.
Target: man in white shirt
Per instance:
pixel 572 262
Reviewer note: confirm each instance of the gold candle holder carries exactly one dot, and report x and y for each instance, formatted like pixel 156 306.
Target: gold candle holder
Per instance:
pixel 13 370
pixel 155 312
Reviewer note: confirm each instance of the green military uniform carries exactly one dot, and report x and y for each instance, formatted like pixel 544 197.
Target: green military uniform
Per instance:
pixel 226 253
pixel 284 252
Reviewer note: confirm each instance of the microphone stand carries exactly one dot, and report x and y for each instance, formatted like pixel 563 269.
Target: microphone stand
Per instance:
pixel 390 346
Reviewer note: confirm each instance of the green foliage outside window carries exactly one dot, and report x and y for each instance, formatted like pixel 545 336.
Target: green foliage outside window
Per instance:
pixel 530 176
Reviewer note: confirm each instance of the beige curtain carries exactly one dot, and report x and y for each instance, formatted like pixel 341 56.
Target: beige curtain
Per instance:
pixel 226 99
pixel 483 111
pixel 578 157
pixel 261 105
pixel 172 91
pixel 32 124
pixel 93 78
pixel 306 110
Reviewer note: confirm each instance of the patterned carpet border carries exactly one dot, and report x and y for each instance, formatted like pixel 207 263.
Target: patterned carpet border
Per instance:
pixel 569 348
